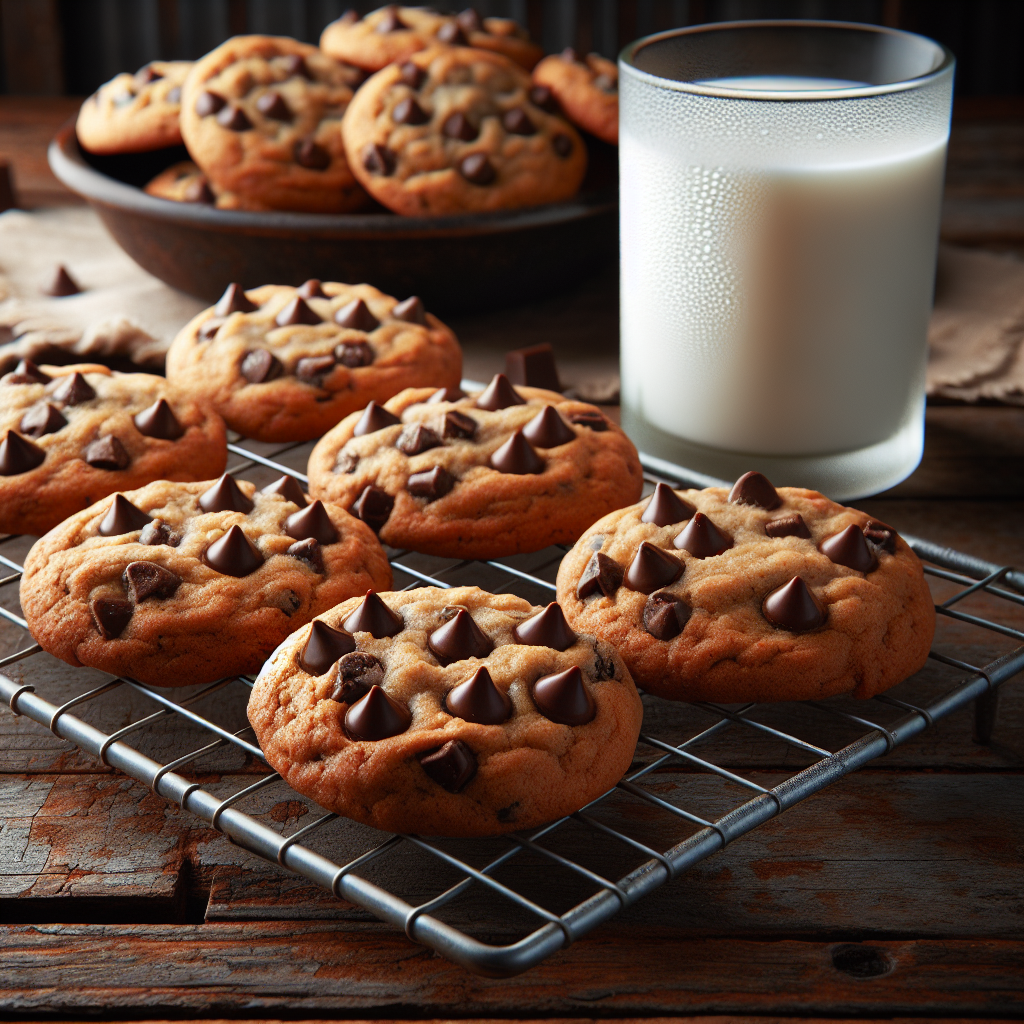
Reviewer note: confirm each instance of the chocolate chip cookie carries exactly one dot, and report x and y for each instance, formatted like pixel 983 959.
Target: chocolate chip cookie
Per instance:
pixel 753 594
pixel 135 113
pixel 586 88
pixel 494 473
pixel 455 131
pixel 175 584
pixel 286 364
pixel 261 115
pixel 446 712
pixel 394 33
pixel 69 435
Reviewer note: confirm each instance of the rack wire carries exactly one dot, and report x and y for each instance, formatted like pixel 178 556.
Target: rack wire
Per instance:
pixel 482 903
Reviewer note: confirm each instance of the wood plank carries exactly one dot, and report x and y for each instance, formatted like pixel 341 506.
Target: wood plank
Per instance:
pixel 27 123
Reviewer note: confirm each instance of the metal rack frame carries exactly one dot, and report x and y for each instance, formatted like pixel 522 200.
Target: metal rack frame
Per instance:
pixel 704 835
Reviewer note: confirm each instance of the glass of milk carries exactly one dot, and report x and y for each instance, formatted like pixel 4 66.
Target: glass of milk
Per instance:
pixel 781 185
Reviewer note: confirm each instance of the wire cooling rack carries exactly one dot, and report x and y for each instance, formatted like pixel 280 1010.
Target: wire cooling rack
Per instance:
pixel 500 906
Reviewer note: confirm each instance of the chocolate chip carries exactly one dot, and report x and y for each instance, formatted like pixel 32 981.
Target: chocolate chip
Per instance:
pixel 787 526
pixel 40 419
pixel 313 369
pixel 590 420
pixel 562 145
pixel 356 315
pixel 548 430
pixel 324 646
pixel 308 551
pixel 408 111
pixel 533 366
pixel 411 75
pixel 107 452
pixel 849 548
pixel 158 420
pixel 74 389
pixel 499 394
pixel 458 424
pixel 411 311
pixel 311 290
pixel 378 159
pixel 373 616
pixel 62 284
pixel 312 521
pixel 458 126
pixel 289 489
pixel 234 300
pixel 881 536
pixel 259 366
pixel 311 155
pixel 541 96
pixel 451 766
pixel 470 20
pixel 146 74
pixel 477 169
pixel 665 615
pixel 296 312
pixel 451 34
pixel 755 489
pixel 156 532
pixel 602 574
pixel 375 417
pixel 354 354
pixel 517 122
pixel 18 455
pixel 390 21
pixel 111 615
pixel 294 64
pixel 26 372
pixel 794 607
pixel 570 56
pixel 430 483
pixel 357 673
pixel 346 462
pixel 174 94
pixel 446 395
pixel 459 638
pixel 233 554
pixel 209 103
pixel 517 456
pixel 563 698
pixel 198 191
pixel 209 328
pixel 373 506
pixel 123 517
pixel 479 700
pixel 651 569
pixel 547 628
pixel 606 83
pixel 416 438
pixel 376 716
pixel 234 118
pixel 272 104
pixel 666 507
pixel 143 580
pixel 225 496
pixel 702 538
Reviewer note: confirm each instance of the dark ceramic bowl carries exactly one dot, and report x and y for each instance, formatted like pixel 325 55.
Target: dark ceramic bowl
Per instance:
pixel 472 261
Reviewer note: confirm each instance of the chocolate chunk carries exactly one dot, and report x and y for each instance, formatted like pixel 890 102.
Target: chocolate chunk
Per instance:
pixel 143 580
pixel 289 489
pixel 357 316
pixel 477 169
pixel 702 538
pixel 849 548
pixel 541 96
pixel 146 74
pixel 209 328
pixel 174 94
pixel 26 372
pixel 430 483
pixel 411 75
pixel 787 526
pixel 517 122
pixel 311 155
pixel 562 145
pixel 295 64
pixel 547 628
pixel 459 638
pixel 296 312
pixel 234 118
pixel 411 311
pixel 373 616
pixel 416 438
pixel 199 191
pixel 517 456
pixel 408 111
pixel 209 103
pixel 62 283
pixel 376 716
pixel 602 574
pixel 40 419
pixel 107 452
pixel 311 290
pixel 563 698
pixel 451 766
pixel 665 615
pixel 548 430
pixel 357 673
pixel 666 507
pixel 533 366
pixel 794 607
pixel 158 420
pixel 570 56
pixel 390 22
pixel 499 394
pixel 233 554
pixel 378 159
pixel 375 417
pixel 225 496
pixel 74 389
pixel 590 420
pixel 479 700
pixel 881 536
pixel 755 489
pixel 354 354
pixel 451 34
pixel 234 300
pixel 470 20
pixel 259 366
pixel 308 551
pixel 457 424
pixel 111 615
pixel 651 569
pixel 458 126
pixel 272 104
pixel 156 532
pixel 124 517
pixel 312 521
pixel 373 506
pixel 346 462
pixel 18 455
pixel 446 395
pixel 324 646
pixel 313 369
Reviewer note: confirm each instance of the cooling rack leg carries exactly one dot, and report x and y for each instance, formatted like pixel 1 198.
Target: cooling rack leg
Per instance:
pixel 986 711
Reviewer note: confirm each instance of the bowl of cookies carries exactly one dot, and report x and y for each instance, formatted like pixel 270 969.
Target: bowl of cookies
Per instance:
pixel 411 149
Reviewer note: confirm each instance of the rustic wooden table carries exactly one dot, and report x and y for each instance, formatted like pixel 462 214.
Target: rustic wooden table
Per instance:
pixel 897 894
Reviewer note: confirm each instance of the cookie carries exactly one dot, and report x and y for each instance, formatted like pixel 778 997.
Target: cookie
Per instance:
pixel 185 183
pixel 455 131
pixel 70 435
pixel 494 473
pixel 395 33
pixel 286 364
pixel 182 583
pixel 261 115
pixel 753 594
pixel 587 90
pixel 446 712
pixel 135 113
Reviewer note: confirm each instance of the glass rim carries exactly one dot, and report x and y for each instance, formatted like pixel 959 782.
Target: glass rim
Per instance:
pixel 626 65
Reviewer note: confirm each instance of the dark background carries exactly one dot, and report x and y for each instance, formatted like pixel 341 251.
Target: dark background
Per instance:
pixel 55 47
